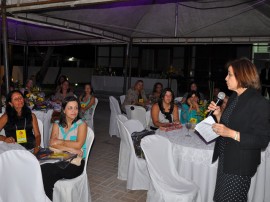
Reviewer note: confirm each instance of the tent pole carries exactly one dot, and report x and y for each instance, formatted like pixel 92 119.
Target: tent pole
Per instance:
pixel 5 44
pixel 25 66
pixel 126 68
pixel 176 20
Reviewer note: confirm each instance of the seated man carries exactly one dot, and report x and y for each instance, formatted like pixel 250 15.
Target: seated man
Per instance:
pixel 135 96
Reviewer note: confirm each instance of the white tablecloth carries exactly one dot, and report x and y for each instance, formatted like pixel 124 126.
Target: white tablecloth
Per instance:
pixel 193 158
pixel 45 117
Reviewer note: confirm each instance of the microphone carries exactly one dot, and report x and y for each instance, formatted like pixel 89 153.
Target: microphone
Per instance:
pixel 221 97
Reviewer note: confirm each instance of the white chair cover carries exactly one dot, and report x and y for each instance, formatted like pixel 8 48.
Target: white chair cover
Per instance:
pixel 178 99
pixel 40 127
pixel 76 189
pixel 167 185
pixel 148 119
pixel 122 99
pixel 138 113
pixel 115 110
pixel 93 113
pixel 20 174
pixel 124 151
pixel 138 176
pixel 128 110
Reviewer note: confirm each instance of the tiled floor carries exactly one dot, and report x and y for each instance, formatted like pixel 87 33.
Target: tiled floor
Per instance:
pixel 103 163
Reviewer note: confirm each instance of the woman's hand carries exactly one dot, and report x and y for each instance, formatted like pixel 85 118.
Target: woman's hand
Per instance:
pixel 222 130
pixel 9 140
pixel 216 110
pixel 56 142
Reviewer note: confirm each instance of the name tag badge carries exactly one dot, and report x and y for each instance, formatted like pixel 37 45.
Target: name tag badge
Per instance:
pixel 21 136
pixel 141 100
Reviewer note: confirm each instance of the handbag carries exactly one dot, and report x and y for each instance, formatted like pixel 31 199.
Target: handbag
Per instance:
pixel 136 139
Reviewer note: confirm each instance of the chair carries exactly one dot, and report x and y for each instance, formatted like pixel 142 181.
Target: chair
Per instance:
pixel 138 113
pixel 128 110
pixel 122 99
pixel 115 110
pixel 93 113
pixel 77 189
pixel 137 175
pixel 148 119
pixel 40 127
pixel 178 99
pixel 167 184
pixel 123 160
pixel 21 178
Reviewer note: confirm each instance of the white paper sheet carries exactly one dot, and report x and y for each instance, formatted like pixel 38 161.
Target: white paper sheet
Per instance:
pixel 205 129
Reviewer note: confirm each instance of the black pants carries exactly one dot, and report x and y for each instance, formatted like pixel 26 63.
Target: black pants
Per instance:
pixel 51 173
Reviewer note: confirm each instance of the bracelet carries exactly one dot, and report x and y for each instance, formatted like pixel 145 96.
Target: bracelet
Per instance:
pixel 236 135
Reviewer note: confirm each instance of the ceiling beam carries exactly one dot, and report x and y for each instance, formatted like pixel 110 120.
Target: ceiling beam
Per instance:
pixel 64 25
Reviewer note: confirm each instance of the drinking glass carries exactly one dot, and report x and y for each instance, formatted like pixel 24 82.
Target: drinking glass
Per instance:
pixel 188 126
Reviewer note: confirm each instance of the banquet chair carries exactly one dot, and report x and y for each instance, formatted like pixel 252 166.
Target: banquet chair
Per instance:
pixel 123 151
pixel 148 119
pixel 122 99
pixel 178 99
pixel 40 127
pixel 137 175
pixel 128 110
pixel 21 178
pixel 93 113
pixel 115 110
pixel 138 113
pixel 166 184
pixel 76 189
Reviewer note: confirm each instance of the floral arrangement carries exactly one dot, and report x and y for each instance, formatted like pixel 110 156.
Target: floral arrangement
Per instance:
pixel 36 99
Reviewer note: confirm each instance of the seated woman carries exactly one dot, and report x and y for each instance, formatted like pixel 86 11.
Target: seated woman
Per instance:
pixel 193 87
pixel 191 110
pixel 64 91
pixel 153 98
pixel 69 135
pixel 87 101
pixel 28 87
pixel 20 123
pixel 165 111
pixel 59 81
pixel 135 96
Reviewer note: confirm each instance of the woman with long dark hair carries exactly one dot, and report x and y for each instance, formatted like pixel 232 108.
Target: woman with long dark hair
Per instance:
pixel 69 135
pixel 87 101
pixel 20 123
pixel 165 111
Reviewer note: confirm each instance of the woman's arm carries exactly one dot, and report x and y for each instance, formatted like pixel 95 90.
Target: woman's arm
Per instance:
pixel 176 114
pixel 3 121
pixel 36 133
pixel 66 145
pixel 90 104
pixel 155 116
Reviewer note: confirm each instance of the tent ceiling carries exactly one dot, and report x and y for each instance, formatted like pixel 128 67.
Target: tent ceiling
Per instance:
pixel 143 21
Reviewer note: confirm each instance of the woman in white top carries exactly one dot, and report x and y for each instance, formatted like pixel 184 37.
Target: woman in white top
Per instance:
pixel 165 111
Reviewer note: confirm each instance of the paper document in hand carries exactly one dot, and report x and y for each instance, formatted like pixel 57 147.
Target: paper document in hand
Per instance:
pixel 205 129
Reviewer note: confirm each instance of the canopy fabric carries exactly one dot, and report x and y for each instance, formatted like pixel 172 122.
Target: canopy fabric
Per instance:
pixel 139 21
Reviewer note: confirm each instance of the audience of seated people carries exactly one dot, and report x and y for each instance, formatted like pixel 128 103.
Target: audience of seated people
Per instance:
pixel 193 87
pixel 87 101
pixel 69 134
pixel 20 123
pixel 191 110
pixel 135 96
pixel 164 111
pixel 63 92
pixel 154 96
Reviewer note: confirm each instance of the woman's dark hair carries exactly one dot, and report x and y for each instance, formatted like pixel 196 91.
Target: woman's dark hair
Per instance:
pixel 160 104
pixel 245 73
pixel 68 90
pixel 196 93
pixel 59 79
pixel 62 119
pixel 12 113
pixel 92 90
pixel 155 86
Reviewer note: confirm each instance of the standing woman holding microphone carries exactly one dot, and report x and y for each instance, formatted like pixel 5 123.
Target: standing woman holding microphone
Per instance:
pixel 244 130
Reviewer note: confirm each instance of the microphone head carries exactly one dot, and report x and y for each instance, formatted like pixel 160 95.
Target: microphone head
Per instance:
pixel 221 95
